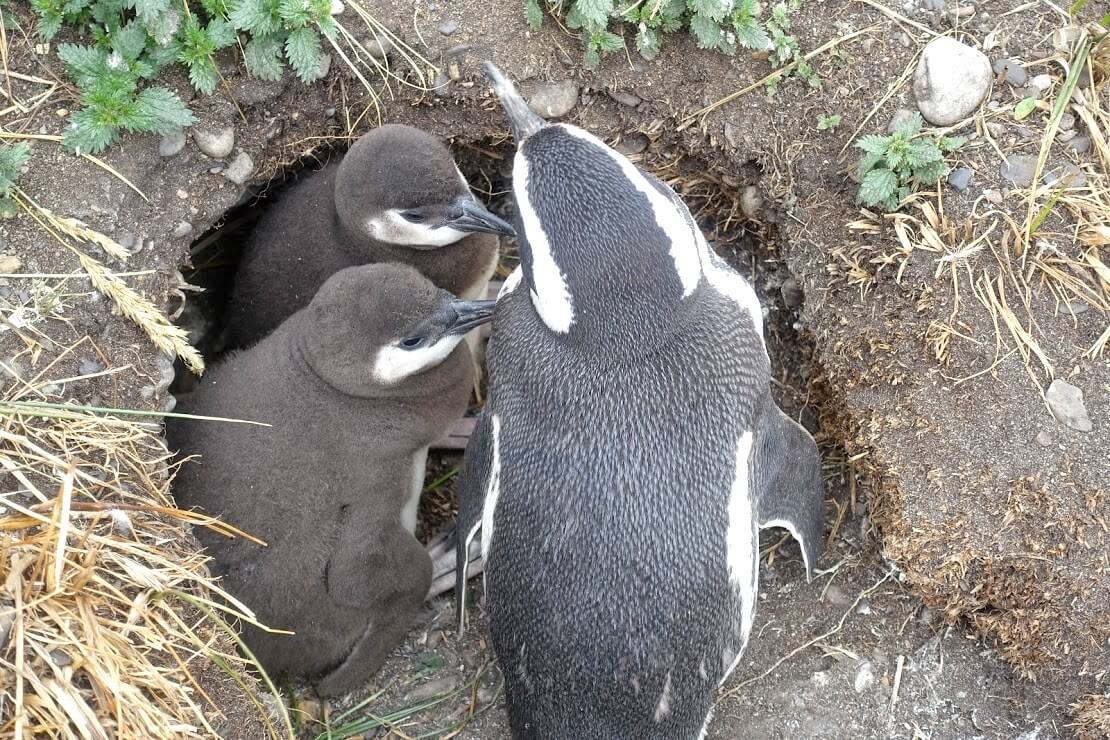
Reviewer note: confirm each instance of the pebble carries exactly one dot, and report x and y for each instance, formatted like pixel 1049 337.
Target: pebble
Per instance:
pixel 624 97
pixel 329 112
pixel 172 143
pixel 1043 438
pixel 837 596
pixel 1065 173
pixel 865 677
pixel 182 194
pixel 792 294
pixel 448 27
pixel 960 178
pixel 1012 69
pixel 183 230
pixel 216 144
pixel 431 689
pixel 379 48
pixel 950 81
pixel 751 202
pixel 10 263
pixel 439 85
pixel 553 99
pixel 485 696
pixel 1018 169
pixel 996 129
pixel 240 168
pixel 900 116
pixel 1080 144
pixel 1067 122
pixel 993 196
pixel 933 5
pixel 453 71
pixel 1065 401
pixel 325 66
pixel 1041 83
pixel 633 143
pixel 1066 136
pixel 51 389
pixel 89 367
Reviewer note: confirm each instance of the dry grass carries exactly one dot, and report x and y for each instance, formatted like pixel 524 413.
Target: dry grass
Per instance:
pixel 1092 717
pixel 102 634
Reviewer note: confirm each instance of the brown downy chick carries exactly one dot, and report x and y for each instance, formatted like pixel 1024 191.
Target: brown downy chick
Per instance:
pixel 355 386
pixel 396 196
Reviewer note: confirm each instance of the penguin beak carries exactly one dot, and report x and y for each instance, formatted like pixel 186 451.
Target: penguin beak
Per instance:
pixel 522 120
pixel 466 315
pixel 467 215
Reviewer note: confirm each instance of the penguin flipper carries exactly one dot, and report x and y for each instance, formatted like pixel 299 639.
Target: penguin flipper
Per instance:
pixel 786 473
pixel 473 486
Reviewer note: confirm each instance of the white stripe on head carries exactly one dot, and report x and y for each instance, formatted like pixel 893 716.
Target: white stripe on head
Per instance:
pixel 391 227
pixel 741 543
pixel 667 215
pixel 550 294
pixel 393 364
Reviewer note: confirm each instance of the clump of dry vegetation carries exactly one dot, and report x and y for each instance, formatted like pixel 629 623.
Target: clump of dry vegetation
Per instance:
pixel 1092 717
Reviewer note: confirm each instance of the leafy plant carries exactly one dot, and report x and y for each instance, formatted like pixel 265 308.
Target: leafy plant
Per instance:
pixel 12 159
pixel 827 122
pixel 893 166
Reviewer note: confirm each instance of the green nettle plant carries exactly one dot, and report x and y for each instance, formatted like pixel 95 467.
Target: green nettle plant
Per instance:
pixel 12 159
pixel 894 166
pixel 133 41
pixel 725 25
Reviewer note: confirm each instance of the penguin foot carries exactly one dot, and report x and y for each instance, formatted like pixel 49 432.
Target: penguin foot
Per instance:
pixel 441 549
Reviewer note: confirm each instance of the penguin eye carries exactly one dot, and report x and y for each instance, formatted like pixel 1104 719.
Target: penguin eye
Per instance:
pixel 413 217
pixel 412 342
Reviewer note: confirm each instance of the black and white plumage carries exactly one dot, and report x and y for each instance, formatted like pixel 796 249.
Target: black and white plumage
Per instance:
pixel 355 387
pixel 628 453
pixel 396 196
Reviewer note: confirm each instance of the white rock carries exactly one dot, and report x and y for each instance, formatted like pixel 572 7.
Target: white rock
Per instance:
pixel 240 168
pixel 951 81
pixel 1065 401
pixel 865 677
pixel 554 99
pixel 216 144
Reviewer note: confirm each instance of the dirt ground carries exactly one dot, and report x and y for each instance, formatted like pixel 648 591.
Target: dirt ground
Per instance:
pixel 968 581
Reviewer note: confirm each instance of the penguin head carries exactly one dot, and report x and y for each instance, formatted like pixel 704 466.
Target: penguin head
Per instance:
pixel 609 253
pixel 375 329
pixel 399 185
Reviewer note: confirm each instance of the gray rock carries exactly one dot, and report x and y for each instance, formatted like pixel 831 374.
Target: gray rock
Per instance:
pixel 52 389
pixel 439 85
pixel 633 143
pixel 1067 122
pixel 89 367
pixel 960 178
pixel 865 677
pixel 1066 173
pixel 172 143
pixel 1080 144
pixel 950 81
pixel 1065 136
pixel 553 99
pixel 993 196
pixel 329 112
pixel 216 144
pixel 900 116
pixel 379 48
pixel 1043 438
pixel 1065 401
pixel 1018 169
pixel 325 66
pixel 933 5
pixel 239 169
pixel 183 230
pixel 448 27
pixel 625 97
pixel 1012 69
pixel 751 202
pixel 792 294
pixel 1041 83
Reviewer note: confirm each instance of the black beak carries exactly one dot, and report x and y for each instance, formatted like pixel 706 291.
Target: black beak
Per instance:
pixel 522 120
pixel 468 215
pixel 468 314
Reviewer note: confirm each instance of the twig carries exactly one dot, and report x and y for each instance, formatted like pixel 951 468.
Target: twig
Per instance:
pixel 895 16
pixel 897 682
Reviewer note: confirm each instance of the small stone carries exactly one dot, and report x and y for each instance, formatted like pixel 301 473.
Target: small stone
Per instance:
pixel 433 688
pixel 379 48
pixel 435 637
pixel 1066 136
pixel 1019 168
pixel 950 81
pixel 337 7
pixel 1067 122
pixel 837 596
pixel 1043 438
pixel 1066 174
pixel 89 367
pixel 1012 70
pixel 751 202
pixel 1065 401
pixel 996 129
pixel 182 194
pixel 1080 144
pixel 329 112
pixel 453 71
pixel 633 143
pixel 240 168
pixel 51 389
pixel 993 196
pixel 183 230
pixel 10 263
pixel 792 294
pixel 1041 83
pixel 624 97
pixel 325 66
pixel 960 178
pixel 554 99
pixel 171 143
pixel 900 116
pixel 448 27
pixel 216 144
pixel 933 5
pixel 485 696
pixel 865 677
pixel 215 169
pixel 439 85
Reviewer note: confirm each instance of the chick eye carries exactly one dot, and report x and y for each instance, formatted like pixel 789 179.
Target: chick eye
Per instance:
pixel 413 217
pixel 412 342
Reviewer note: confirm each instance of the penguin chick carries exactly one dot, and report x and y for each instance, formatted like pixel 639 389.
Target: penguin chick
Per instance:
pixel 354 387
pixel 628 453
pixel 396 196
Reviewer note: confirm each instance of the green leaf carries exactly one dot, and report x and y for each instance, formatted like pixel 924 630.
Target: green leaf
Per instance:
pixel 923 153
pixel 606 42
pixel 931 172
pixel 868 163
pixel 258 17
pixel 648 41
pixel 204 76
pixel 262 57
pixel 130 40
pixel 84 63
pixel 713 9
pixel 750 34
pixel 780 17
pixel 707 32
pixel 148 11
pixel 159 111
pixel 874 144
pixel 533 13
pixel 1024 107
pixel 877 185
pixel 8 207
pixel 12 159
pixel 302 48
pixel 593 15
pixel 216 8
pixel 951 144
pixel 827 122
pixel 909 127
pixel 163 27
pixel 221 33
pixel 87 134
